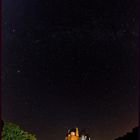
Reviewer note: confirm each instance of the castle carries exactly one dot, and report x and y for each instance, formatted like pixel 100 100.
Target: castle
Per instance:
pixel 73 134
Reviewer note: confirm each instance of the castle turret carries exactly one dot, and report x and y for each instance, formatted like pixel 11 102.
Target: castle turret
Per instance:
pixel 73 134
pixel 77 132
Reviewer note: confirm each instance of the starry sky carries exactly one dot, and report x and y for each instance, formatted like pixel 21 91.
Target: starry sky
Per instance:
pixel 70 63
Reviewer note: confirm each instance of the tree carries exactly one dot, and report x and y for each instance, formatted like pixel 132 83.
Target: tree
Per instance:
pixel 12 131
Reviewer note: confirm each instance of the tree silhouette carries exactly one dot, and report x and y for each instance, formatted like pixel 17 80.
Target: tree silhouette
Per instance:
pixel 12 131
pixel 130 136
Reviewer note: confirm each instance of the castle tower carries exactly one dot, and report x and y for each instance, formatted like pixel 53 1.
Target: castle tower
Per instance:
pixel 77 132
pixel 73 134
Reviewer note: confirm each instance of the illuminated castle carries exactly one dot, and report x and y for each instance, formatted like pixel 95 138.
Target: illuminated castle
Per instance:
pixel 73 134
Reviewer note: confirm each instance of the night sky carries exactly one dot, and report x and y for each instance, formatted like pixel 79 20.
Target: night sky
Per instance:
pixel 70 63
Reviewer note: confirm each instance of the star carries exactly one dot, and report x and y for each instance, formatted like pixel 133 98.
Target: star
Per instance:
pixel 36 41
pixel 13 30
pixel 18 71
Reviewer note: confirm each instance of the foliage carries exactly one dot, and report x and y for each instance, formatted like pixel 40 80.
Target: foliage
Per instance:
pixel 14 132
